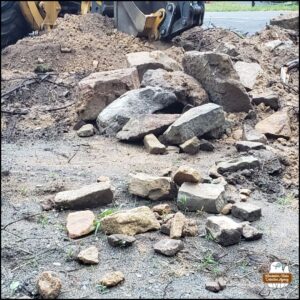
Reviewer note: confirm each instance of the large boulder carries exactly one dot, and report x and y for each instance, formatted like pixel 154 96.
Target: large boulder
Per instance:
pixel 140 126
pixel 144 61
pixel 186 88
pixel 152 187
pixel 89 196
pixel 130 222
pixel 133 103
pixel 195 122
pixel 98 90
pixel 217 75
pixel 248 73
pixel 287 21
pixel 276 125
pixel 202 196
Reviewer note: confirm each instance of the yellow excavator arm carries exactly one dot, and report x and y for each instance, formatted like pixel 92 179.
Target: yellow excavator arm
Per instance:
pixel 154 19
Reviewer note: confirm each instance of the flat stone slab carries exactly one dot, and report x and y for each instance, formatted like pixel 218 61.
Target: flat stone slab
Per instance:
pixel 224 230
pixel 251 135
pixel 89 196
pixel 195 122
pixel 246 211
pixel 151 187
pixel 140 126
pixel 89 256
pixel 241 163
pixel 270 99
pixel 201 196
pixel 168 247
pixel 246 146
pixel 120 240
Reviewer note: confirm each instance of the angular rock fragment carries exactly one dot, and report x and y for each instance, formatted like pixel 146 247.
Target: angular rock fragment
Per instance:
pixel 186 174
pixel 168 247
pixel 190 228
pixel 112 279
pixel 212 286
pixel 248 73
pixel 89 256
pixel 120 240
pixel 89 196
pixel 100 89
pixel 49 285
pixel 276 125
pixel 186 88
pixel 80 223
pixel 140 126
pixel 153 145
pixel 226 210
pixel 201 196
pixel 250 233
pixel 130 222
pixel 240 163
pixel 246 146
pixel 152 187
pixel 206 146
pixel 217 75
pixel 177 225
pixel 144 61
pixel 287 21
pixel 252 135
pixel 195 122
pixel 224 230
pixel 246 211
pixel 131 104
pixel 268 98
pixel 162 209
pixel 86 130
pixel 172 149
pixel 191 146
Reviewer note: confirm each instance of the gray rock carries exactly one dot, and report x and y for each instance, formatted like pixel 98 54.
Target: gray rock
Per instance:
pixel 228 49
pixel 202 196
pixel 120 240
pixel 248 73
pixel 86 130
pixel 144 61
pixel 224 230
pixel 186 88
pixel 133 103
pixel 268 98
pixel 246 146
pixel 153 145
pixel 166 227
pixel 278 44
pixel 206 146
pixel 152 187
pixel 168 247
pixel 138 127
pixel 270 161
pixel 217 75
pixel 252 135
pixel 89 196
pixel 213 286
pixel 173 149
pixel 191 146
pixel 240 163
pixel 195 122
pixel 287 21
pixel 98 90
pixel 246 211
pixel 250 233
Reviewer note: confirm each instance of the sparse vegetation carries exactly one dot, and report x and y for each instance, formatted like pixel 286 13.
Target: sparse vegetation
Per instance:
pixel 286 200
pixel 100 216
pixel 208 262
pixel 102 289
pixel 43 220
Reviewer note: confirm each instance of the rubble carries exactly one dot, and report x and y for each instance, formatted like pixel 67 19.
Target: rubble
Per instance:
pixel 162 209
pixel 186 88
pixel 131 104
pixel 49 285
pixel 217 75
pixel 86 130
pixel 130 222
pixel 153 145
pixel 112 279
pixel 98 90
pixel 288 21
pixel 195 122
pixel 240 163
pixel 246 211
pixel 80 223
pixel 140 126
pixel 191 146
pixel 89 196
pixel 268 98
pixel 151 187
pixel 144 61
pixel 252 135
pixel 246 146
pixel 186 174
pixel 226 210
pixel 276 125
pixel 89 256
pixel 177 224
pixel 206 146
pixel 168 247
pixel 120 240
pixel 250 233
pixel 201 196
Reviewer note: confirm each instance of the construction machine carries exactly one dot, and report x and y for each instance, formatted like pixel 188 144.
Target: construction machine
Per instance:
pixel 153 19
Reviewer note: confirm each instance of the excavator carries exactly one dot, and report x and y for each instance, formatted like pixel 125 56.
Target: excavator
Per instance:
pixel 156 20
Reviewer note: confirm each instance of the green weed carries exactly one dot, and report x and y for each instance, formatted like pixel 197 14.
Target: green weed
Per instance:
pixel 43 220
pixel 285 201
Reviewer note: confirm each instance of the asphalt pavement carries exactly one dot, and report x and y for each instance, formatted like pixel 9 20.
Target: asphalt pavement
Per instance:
pixel 241 21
